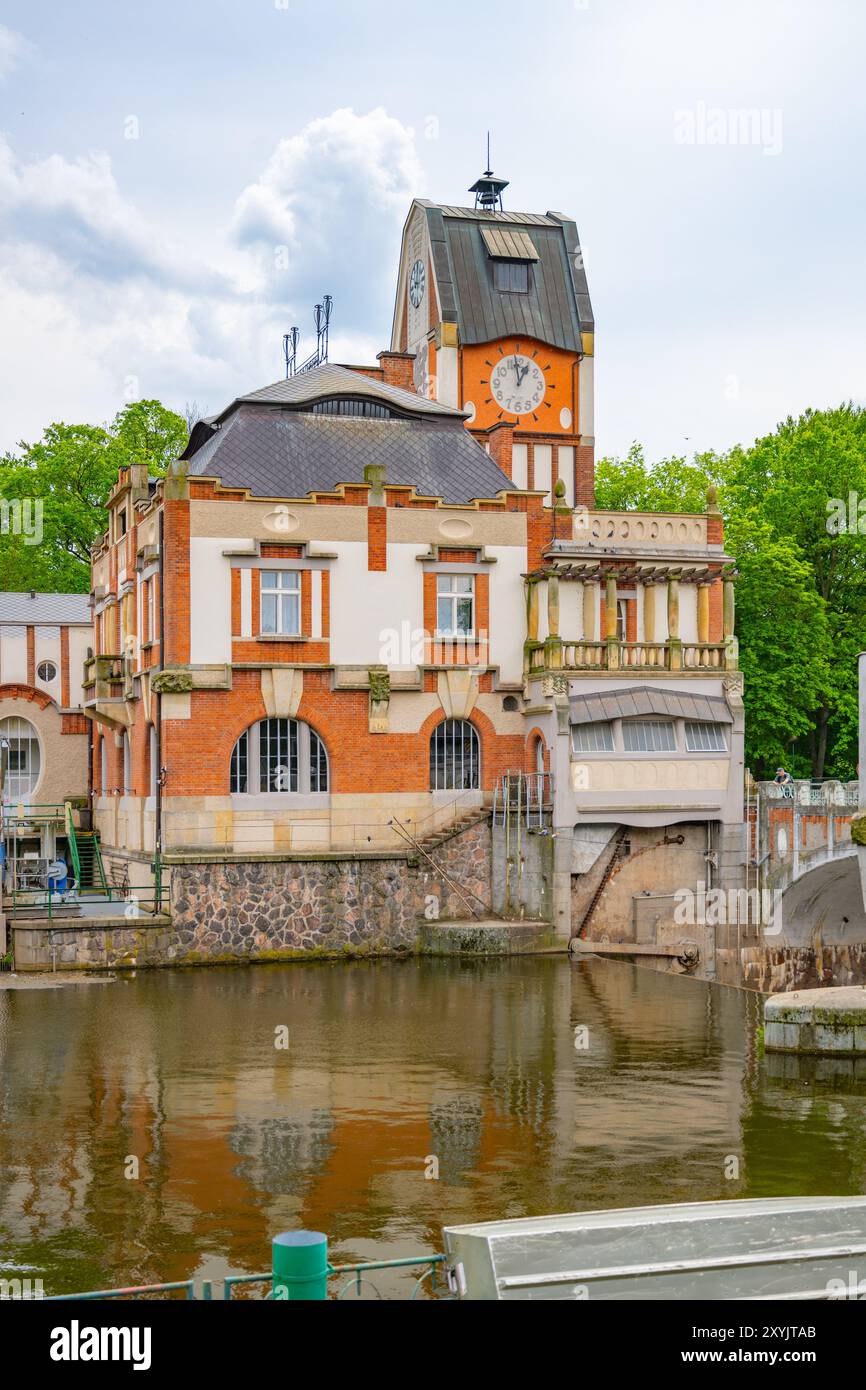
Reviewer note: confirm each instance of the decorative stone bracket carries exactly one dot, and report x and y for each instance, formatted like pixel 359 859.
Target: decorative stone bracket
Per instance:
pixel 172 682
pixel 380 700
pixel 458 692
pixel 282 688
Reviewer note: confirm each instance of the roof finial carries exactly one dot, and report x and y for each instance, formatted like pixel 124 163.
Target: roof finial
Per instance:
pixel 488 189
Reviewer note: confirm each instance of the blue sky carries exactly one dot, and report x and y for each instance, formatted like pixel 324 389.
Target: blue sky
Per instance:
pixel 181 182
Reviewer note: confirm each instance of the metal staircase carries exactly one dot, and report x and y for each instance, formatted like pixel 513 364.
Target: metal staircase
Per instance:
pixel 86 859
pixel 612 862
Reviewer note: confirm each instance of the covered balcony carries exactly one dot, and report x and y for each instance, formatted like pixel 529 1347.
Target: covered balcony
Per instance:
pixel 641 632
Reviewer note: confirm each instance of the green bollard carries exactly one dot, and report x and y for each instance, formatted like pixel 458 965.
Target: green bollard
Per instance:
pixel 299 1263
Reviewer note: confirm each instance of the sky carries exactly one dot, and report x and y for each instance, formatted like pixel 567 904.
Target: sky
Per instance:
pixel 180 183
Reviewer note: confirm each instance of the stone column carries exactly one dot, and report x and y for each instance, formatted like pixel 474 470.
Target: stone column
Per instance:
pixel 553 645
pixel 531 624
pixel 675 646
pixel 728 608
pixel 649 613
pixel 703 613
pixel 590 608
pixel 610 614
pixel 532 610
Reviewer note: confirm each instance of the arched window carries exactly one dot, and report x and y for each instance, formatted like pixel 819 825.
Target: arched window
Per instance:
pixel 455 761
pixel 22 758
pixel 279 755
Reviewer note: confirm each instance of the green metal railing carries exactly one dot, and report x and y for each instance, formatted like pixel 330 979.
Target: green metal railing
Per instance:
pixel 131 903
pixel 300 1272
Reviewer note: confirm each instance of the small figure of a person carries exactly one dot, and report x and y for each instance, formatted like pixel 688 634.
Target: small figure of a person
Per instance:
pixel 784 780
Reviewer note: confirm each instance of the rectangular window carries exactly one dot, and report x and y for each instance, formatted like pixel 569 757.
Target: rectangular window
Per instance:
pixel 705 738
pixel 455 605
pixel 511 276
pixel 592 738
pixel 281 603
pixel 648 736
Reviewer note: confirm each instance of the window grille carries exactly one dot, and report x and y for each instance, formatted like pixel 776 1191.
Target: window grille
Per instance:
pixel 648 736
pixel 454 756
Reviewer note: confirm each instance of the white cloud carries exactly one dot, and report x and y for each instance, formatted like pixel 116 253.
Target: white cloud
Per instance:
pixel 329 206
pixel 13 47
pixel 98 302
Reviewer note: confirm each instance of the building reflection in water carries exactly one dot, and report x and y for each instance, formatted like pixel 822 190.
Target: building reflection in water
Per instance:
pixel 388 1063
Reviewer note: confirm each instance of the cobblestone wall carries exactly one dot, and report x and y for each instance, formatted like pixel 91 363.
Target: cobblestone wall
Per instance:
pixel 278 910
pixel 266 910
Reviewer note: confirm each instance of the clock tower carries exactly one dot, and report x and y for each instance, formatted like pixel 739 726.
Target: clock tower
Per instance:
pixel 495 307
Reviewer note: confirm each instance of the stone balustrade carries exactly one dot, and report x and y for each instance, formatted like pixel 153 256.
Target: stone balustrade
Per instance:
pixel 600 528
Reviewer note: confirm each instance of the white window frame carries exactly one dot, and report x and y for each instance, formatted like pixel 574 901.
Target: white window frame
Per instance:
pixel 286 586
pixel 598 737
pixel 651 739
pixel 705 737
pixel 21 738
pixel 447 593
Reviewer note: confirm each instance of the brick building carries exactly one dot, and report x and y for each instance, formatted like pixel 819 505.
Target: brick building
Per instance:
pixel 364 593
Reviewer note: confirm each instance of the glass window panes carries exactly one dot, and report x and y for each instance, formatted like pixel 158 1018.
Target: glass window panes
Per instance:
pixel 592 738
pixel 705 738
pixel 455 605
pixel 318 764
pixel 19 748
pixel 281 602
pixel 454 756
pixel 279 755
pixel 648 736
pixel 46 671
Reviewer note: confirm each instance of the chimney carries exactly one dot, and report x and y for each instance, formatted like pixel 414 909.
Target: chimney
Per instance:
pixel 398 369
pixel 501 440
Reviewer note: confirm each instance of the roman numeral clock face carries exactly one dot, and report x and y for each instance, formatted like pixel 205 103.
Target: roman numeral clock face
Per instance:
pixel 518 384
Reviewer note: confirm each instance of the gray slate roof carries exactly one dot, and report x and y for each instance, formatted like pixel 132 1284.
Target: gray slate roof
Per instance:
pixel 49 610
pixel 556 309
pixel 289 453
pixel 334 380
pixel 642 699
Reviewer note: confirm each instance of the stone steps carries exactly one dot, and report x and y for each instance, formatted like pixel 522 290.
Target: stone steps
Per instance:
pixel 456 827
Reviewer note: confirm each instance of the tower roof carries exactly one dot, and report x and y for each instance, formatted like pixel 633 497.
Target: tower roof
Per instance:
pixel 557 309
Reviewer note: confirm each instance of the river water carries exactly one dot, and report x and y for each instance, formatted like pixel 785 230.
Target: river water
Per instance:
pixel 534 1085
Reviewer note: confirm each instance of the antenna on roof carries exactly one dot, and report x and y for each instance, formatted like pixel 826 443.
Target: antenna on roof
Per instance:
pixel 322 320
pixel 488 189
pixel 290 349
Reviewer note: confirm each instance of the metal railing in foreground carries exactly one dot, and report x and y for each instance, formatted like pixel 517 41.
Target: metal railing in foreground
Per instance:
pixel 300 1272
pixel 47 904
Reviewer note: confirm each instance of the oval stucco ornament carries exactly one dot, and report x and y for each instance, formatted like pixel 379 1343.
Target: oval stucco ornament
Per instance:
pixel 455 528
pixel 282 521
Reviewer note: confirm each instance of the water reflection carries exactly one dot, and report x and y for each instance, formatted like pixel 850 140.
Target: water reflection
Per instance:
pixel 388 1063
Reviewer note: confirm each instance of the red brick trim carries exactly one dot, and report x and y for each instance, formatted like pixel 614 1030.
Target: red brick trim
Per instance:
pixel 26 692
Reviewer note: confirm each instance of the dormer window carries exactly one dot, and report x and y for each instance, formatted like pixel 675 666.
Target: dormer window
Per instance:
pixel 368 410
pixel 512 277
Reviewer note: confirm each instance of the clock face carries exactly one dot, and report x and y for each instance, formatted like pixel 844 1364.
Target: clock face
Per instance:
pixel 417 277
pixel 517 384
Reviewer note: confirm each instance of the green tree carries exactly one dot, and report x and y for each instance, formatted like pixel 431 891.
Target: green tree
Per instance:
pixel 670 485
pixel 70 473
pixel 788 503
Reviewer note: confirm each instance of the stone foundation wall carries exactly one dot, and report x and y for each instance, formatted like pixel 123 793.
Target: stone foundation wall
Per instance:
pixel 269 910
pixel 93 946
pixel 774 970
